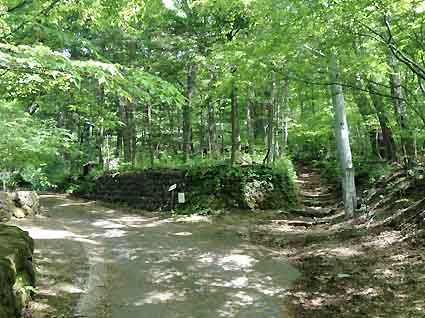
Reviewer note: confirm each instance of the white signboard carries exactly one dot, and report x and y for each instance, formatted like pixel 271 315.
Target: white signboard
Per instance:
pixel 172 188
pixel 181 198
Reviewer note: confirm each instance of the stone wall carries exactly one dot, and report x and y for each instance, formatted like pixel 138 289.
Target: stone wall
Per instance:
pixel 146 190
pixel 249 187
pixel 16 270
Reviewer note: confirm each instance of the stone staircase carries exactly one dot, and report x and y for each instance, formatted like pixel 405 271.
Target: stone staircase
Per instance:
pixel 319 198
pixel 321 205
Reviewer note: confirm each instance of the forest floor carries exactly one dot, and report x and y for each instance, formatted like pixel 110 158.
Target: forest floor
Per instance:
pixel 372 266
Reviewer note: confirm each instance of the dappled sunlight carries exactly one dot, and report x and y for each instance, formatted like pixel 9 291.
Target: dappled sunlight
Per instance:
pixel 240 282
pixel 44 234
pixel 155 223
pixel 160 275
pixel 107 224
pixel 182 234
pixel 72 204
pixel 384 239
pixel 110 233
pixel 336 252
pixel 366 292
pixel 68 288
pixel 237 262
pixel 144 265
pixel 229 262
pixel 194 219
pixel 158 297
pixel 235 303
pixel 38 233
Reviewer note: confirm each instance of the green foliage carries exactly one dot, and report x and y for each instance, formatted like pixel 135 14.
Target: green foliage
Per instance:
pixel 285 166
pixel 222 186
pixel 92 81
pixel 329 168
pixel 369 173
pixel 28 145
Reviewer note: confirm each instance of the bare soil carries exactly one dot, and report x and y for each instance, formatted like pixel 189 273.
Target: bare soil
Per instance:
pixel 372 266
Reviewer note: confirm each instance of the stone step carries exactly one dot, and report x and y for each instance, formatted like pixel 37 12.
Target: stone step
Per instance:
pixel 314 212
pixel 316 202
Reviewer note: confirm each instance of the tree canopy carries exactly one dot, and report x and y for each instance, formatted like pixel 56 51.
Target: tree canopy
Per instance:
pixel 134 84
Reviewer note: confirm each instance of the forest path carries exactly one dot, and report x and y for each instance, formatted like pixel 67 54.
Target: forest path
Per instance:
pixel 98 262
pixel 320 199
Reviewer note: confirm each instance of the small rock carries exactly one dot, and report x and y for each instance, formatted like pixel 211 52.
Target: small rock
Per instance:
pixel 19 213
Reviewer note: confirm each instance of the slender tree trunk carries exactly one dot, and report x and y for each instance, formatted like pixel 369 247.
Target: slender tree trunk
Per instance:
pixel 250 127
pixel 212 126
pixel 148 134
pixel 127 130
pixel 187 113
pixel 90 143
pixel 100 140
pixel 270 123
pixel 343 142
pixel 365 110
pixel 202 127
pixel 120 129
pixel 100 136
pixel 277 130
pixel 400 109
pixel 285 113
pixel 236 136
pixel 387 134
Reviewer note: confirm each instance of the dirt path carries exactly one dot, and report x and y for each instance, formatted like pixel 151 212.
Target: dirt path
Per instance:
pixel 98 262
pixel 348 269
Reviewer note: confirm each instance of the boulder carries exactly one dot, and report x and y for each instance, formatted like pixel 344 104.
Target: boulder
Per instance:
pixel 28 202
pixel 7 206
pixel 17 278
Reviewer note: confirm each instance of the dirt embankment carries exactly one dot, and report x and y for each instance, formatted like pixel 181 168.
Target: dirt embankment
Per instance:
pixel 372 266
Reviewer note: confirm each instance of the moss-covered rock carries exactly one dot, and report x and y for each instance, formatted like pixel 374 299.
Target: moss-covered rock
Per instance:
pixel 7 206
pixel 17 276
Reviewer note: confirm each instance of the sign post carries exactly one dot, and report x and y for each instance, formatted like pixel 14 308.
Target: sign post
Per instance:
pixel 172 190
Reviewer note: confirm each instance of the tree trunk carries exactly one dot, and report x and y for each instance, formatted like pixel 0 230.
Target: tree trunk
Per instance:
pixel 236 136
pixel 100 140
pixel 250 127
pixel 285 113
pixel 270 124
pixel 365 110
pixel 277 129
pixel 212 126
pixel 343 142
pixel 387 134
pixel 128 130
pixel 148 134
pixel 400 109
pixel 120 129
pixel 187 113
